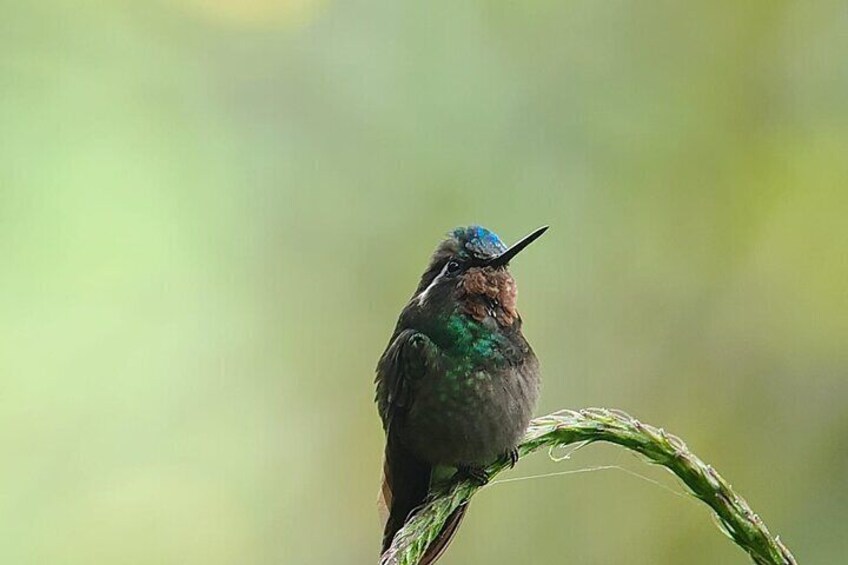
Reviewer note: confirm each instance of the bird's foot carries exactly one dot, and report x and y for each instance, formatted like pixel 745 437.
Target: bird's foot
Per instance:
pixel 477 475
pixel 512 455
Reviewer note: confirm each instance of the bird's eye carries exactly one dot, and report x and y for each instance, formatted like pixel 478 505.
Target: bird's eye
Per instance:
pixel 452 267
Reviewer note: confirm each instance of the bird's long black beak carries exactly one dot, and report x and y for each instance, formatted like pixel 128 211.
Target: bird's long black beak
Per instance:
pixel 505 257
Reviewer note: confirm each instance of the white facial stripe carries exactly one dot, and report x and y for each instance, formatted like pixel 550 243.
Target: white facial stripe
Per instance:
pixel 423 296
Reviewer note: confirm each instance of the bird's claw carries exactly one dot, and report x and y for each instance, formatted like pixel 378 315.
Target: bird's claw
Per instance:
pixel 512 455
pixel 477 475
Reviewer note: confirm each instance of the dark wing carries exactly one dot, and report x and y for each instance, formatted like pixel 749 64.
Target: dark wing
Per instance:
pixel 402 365
pixel 406 479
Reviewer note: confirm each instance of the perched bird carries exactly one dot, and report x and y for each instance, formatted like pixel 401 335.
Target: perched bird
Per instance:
pixel 458 382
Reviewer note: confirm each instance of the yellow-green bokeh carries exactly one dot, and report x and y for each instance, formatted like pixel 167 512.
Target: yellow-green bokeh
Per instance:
pixel 212 211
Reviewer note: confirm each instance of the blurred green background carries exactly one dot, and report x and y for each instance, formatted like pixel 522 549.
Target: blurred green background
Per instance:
pixel 211 213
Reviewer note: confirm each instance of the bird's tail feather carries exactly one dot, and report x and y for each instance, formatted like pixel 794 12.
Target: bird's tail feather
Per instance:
pixel 438 546
pixel 406 483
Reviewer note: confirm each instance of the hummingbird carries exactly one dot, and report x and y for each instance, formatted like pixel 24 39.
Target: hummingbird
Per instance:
pixel 457 383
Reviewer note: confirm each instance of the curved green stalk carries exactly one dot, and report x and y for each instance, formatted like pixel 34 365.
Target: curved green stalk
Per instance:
pixel 734 515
